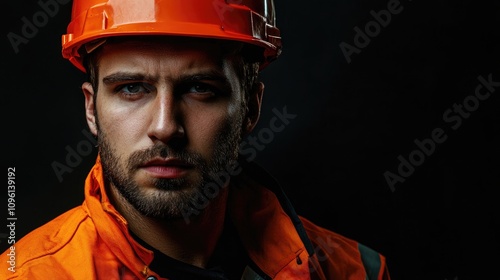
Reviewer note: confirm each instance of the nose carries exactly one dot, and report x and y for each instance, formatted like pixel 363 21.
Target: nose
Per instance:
pixel 166 119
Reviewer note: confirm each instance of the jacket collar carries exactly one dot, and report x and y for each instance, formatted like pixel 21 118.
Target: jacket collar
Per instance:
pixel 271 231
pixel 111 225
pixel 265 219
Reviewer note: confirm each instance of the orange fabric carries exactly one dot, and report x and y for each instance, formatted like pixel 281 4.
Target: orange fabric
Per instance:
pixel 92 241
pixel 337 256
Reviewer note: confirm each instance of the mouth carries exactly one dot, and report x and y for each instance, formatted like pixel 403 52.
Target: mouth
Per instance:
pixel 169 168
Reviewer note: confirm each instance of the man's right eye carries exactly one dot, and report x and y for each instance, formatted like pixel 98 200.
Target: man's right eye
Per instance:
pixel 133 88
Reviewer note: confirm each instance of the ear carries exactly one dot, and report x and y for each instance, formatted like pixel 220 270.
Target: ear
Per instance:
pixel 90 112
pixel 254 105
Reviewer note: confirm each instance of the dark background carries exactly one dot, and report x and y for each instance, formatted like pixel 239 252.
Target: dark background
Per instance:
pixel 353 121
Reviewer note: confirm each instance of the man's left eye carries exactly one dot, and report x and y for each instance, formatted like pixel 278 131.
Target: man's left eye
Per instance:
pixel 202 89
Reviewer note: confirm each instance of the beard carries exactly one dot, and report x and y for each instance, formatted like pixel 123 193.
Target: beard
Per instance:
pixel 168 198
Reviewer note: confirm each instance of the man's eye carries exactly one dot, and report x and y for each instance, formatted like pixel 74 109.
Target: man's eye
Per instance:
pixel 202 89
pixel 133 88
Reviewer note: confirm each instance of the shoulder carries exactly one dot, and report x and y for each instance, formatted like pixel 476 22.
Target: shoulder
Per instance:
pixel 339 254
pixel 44 246
pixel 51 236
pixel 329 242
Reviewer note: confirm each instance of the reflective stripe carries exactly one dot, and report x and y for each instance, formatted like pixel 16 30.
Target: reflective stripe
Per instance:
pixel 371 261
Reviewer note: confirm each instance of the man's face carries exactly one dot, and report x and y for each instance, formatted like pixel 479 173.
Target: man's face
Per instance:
pixel 167 116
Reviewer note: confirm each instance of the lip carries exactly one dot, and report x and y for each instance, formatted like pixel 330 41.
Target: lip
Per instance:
pixel 166 168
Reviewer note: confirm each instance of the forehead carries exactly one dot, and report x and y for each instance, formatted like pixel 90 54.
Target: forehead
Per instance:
pixel 170 48
pixel 168 57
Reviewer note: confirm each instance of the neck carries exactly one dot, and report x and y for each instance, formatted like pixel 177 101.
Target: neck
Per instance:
pixel 192 243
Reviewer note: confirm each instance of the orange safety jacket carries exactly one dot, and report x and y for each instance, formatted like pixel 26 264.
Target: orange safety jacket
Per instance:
pixel 92 241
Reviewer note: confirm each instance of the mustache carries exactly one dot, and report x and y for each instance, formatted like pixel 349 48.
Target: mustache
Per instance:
pixel 141 157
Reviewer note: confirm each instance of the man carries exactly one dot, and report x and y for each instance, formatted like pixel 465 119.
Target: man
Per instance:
pixel 172 90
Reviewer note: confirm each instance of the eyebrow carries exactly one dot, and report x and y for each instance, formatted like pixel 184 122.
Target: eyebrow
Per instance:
pixel 210 75
pixel 125 76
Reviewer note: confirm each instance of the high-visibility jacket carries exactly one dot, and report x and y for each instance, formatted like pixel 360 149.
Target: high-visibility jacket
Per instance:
pixel 92 241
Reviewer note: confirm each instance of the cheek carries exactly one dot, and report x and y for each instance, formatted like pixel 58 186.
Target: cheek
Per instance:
pixel 204 128
pixel 206 125
pixel 120 125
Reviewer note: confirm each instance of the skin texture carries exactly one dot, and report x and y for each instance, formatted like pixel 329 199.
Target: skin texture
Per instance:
pixel 167 115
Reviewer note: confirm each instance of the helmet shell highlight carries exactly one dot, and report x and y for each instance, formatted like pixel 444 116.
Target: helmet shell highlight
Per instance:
pixel 247 21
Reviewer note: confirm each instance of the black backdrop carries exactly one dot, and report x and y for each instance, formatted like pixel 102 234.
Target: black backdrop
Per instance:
pixel 362 103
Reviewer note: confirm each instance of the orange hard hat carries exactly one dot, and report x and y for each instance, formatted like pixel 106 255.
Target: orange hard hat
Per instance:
pixel 249 21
